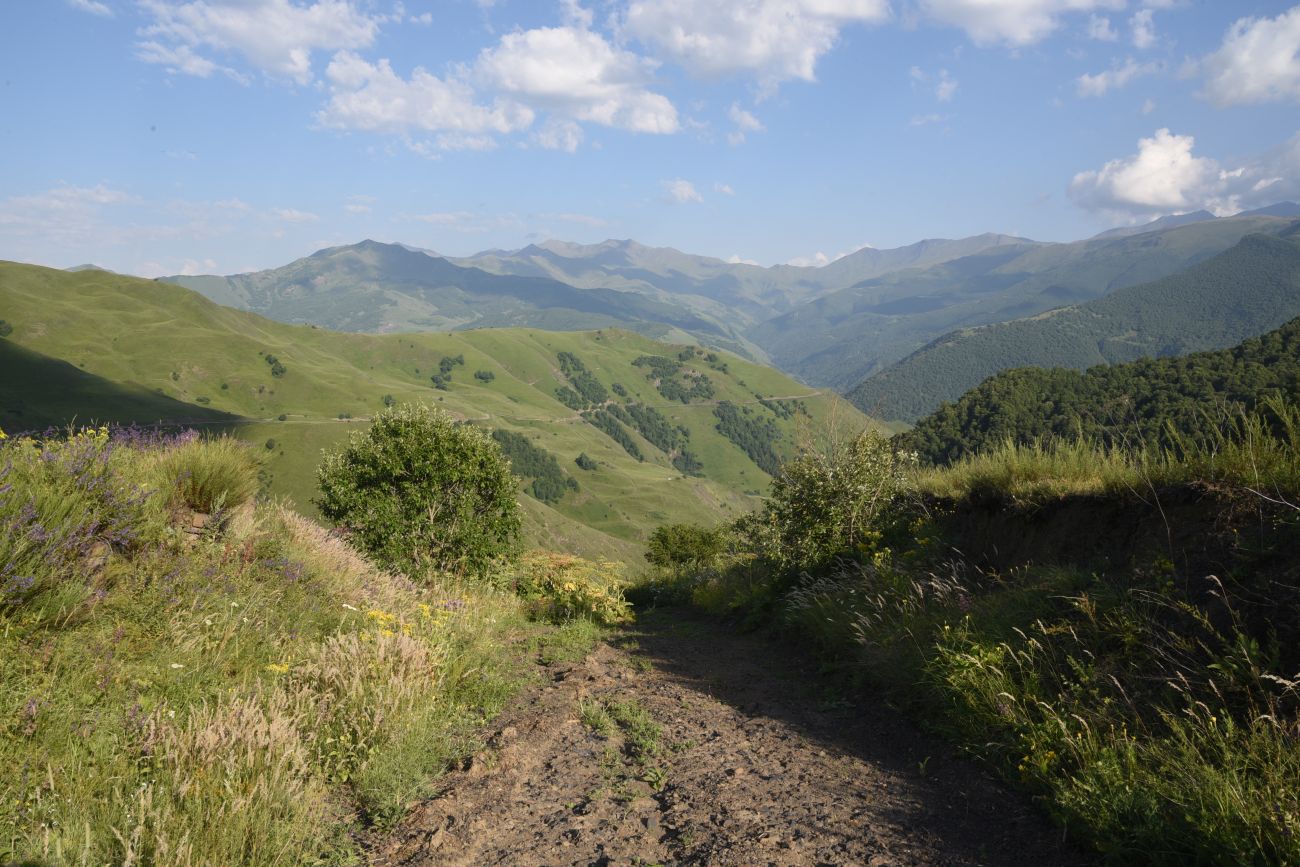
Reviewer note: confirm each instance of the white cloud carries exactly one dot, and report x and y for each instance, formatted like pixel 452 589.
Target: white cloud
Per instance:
pixel 1099 28
pixel 371 97
pixel 745 123
pixel 1165 177
pixel 735 259
pixel 926 119
pixel 775 40
pixel 1144 28
pixel 575 72
pixel 1259 61
pixel 946 87
pixel 1148 106
pixel 293 215
pixel 183 59
pixel 277 37
pixel 725 189
pixel 1014 22
pixel 559 135
pixel 94 7
pixel 467 221
pixel 356 208
pixel 682 192
pixel 1100 83
pixel 425 19
pixel 816 260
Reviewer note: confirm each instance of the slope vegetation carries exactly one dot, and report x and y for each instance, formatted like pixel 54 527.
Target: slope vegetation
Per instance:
pixel 844 336
pixel 1240 293
pixel 649 430
pixel 1165 402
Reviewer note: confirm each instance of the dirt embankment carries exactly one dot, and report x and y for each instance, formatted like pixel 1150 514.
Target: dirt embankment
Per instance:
pixel 684 743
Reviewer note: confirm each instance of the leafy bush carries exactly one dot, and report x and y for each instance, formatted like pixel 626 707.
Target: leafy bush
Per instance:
pixel 418 491
pixel 277 369
pixel 829 501
pixel 563 587
pixel 679 546
pixel 584 462
pixel 5 328
pixel 484 375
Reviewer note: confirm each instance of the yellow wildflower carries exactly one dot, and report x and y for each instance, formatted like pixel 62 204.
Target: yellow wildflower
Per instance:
pixel 278 667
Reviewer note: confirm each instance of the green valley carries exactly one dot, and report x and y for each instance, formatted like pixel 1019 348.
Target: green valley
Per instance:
pixel 144 351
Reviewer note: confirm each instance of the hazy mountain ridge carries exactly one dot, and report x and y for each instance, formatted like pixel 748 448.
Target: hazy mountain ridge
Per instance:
pixel 856 332
pixel 1216 303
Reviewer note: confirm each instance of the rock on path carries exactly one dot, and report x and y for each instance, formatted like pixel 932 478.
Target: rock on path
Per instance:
pixel 752 766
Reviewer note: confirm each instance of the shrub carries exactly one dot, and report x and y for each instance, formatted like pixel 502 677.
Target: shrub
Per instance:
pixel 418 491
pixel 681 546
pixel 5 328
pixel 826 502
pixel 484 375
pixel 208 476
pixel 584 462
pixel 389 400
pixel 563 587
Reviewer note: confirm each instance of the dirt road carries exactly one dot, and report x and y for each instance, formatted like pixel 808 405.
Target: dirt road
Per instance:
pixel 682 742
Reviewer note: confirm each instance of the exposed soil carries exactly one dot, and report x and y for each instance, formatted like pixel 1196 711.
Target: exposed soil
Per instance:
pixel 757 763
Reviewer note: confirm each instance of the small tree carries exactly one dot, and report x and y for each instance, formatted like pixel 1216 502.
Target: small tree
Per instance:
pixel 826 502
pixel 419 491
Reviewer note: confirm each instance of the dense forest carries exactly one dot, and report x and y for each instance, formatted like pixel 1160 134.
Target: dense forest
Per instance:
pixel 1165 402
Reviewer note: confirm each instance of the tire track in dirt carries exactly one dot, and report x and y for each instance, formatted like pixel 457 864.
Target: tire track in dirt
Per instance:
pixel 753 766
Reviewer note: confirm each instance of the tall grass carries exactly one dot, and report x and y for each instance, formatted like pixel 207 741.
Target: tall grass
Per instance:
pixel 243 697
pixel 1154 709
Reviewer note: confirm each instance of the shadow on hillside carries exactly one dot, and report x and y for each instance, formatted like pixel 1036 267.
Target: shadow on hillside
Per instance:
pixel 38 392
pixel 922 783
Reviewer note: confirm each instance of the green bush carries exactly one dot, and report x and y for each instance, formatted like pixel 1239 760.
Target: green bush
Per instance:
pixel 418 491
pixel 562 587
pixel 827 502
pixel 684 546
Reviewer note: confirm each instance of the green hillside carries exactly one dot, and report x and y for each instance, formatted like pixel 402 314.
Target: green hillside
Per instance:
pixel 1140 403
pixel 845 336
pixel 1240 293
pixel 299 389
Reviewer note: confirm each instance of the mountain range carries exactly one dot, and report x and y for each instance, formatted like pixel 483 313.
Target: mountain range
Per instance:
pixel 836 325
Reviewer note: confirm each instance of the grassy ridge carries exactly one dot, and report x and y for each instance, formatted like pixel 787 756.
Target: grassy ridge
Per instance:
pixel 160 339
pixel 239 688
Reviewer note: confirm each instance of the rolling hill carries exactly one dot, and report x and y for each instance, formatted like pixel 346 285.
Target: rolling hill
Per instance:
pixel 1240 293
pixel 635 407
pixel 846 336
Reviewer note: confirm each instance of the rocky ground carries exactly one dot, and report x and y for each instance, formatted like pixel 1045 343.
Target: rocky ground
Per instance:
pixel 682 742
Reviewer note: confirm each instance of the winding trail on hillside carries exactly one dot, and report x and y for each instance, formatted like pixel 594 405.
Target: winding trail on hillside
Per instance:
pixel 757 763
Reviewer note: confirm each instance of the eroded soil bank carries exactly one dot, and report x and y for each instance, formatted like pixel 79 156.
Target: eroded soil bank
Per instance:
pixel 682 742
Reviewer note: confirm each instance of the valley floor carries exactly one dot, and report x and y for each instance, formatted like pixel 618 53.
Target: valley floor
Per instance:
pixel 682 742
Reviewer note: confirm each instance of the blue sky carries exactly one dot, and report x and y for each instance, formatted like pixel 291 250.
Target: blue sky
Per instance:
pixel 197 136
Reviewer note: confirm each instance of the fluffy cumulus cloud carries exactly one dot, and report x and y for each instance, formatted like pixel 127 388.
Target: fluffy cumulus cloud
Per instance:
pixel 682 192
pixel 372 97
pixel 576 72
pixel 1098 84
pixel 1165 176
pixel 277 37
pixel 776 40
pixel 1259 61
pixel 1013 22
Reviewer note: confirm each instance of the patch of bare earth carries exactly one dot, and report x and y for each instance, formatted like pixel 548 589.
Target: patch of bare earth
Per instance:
pixel 751 765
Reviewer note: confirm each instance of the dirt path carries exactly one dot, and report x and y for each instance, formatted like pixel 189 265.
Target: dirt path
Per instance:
pixel 751 765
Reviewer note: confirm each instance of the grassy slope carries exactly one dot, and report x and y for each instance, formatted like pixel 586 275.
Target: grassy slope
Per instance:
pixel 1242 292
pixel 137 334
